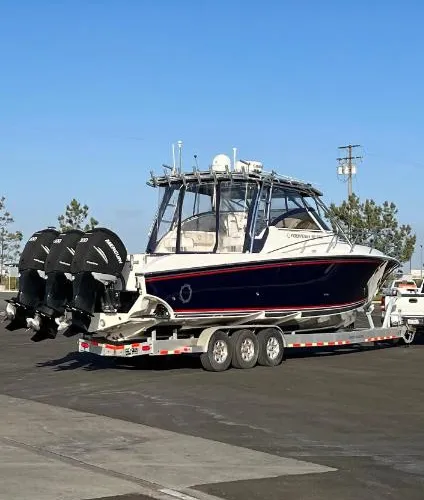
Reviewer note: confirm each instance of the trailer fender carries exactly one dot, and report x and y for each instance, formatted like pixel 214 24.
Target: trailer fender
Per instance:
pixel 205 336
pixel 282 335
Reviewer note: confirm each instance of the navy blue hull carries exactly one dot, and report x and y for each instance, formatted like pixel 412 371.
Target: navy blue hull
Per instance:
pixel 328 284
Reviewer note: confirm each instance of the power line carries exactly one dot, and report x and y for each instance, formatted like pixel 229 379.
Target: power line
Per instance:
pixel 346 167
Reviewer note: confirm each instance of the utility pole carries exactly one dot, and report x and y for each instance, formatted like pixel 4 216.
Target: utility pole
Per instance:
pixel 346 167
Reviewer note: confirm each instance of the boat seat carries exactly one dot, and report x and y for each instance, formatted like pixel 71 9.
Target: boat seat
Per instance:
pixel 297 218
pixel 288 223
pixel 168 243
pixel 232 231
pixel 306 224
pixel 191 241
pixel 230 239
pixel 231 244
pixel 198 241
pixel 235 222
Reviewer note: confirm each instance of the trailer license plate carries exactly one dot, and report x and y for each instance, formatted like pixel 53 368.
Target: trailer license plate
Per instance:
pixel 414 321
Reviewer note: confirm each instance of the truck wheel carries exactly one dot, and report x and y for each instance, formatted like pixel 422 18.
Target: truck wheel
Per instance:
pixel 218 356
pixel 271 347
pixel 246 349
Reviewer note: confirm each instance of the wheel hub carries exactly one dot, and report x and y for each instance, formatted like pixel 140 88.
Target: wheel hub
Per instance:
pixel 247 349
pixel 272 348
pixel 220 351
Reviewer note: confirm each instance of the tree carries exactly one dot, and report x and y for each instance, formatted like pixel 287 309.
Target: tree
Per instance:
pixel 375 225
pixel 75 217
pixel 10 242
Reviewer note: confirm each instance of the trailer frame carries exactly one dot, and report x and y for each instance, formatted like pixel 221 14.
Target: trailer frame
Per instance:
pixel 204 341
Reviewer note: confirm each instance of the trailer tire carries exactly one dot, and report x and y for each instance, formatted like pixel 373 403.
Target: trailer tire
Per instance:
pixel 271 347
pixel 245 349
pixel 219 354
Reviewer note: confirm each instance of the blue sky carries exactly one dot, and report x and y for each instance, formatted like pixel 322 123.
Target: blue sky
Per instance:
pixel 93 93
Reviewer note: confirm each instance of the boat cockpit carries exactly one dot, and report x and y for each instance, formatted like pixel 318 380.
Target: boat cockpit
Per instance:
pixel 231 211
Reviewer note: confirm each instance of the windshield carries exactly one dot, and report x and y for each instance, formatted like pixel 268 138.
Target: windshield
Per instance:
pixel 203 217
pixel 290 210
pixel 285 208
pixel 232 216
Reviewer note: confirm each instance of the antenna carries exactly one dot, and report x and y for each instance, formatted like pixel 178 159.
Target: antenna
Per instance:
pixel 180 146
pixel 173 158
pixel 195 159
pixel 234 158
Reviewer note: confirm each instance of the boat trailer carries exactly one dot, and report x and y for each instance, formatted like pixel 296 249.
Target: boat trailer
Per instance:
pixel 241 345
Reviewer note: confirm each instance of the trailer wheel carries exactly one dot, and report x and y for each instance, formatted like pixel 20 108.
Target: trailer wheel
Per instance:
pixel 271 347
pixel 246 349
pixel 218 356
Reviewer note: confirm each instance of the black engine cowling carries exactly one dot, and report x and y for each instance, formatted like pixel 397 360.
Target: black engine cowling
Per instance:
pixel 32 282
pixel 100 250
pixel 97 264
pixel 59 290
pixel 73 271
pixel 58 270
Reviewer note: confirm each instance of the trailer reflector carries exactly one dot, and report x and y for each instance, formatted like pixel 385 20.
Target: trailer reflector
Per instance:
pixel 320 344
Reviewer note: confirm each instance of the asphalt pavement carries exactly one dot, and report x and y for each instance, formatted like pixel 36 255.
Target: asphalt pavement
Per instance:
pixel 343 424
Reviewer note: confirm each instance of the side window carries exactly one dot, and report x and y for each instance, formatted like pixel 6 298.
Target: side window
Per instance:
pixel 279 204
pixel 164 231
pixel 290 211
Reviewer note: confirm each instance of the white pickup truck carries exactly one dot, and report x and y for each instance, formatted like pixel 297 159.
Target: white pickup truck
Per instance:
pixel 405 286
pixel 406 307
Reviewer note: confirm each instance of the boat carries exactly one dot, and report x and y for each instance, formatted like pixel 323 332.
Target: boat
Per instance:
pixel 230 244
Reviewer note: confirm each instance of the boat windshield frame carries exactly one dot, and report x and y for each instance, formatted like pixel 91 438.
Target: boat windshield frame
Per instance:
pixel 214 184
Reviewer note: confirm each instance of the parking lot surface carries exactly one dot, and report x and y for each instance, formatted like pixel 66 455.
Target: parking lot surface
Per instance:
pixel 343 424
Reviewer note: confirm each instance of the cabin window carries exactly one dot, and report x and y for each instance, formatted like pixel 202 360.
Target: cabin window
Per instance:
pixel 163 237
pixel 289 210
pixel 198 219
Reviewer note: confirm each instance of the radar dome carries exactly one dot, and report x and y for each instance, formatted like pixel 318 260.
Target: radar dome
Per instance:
pixel 221 162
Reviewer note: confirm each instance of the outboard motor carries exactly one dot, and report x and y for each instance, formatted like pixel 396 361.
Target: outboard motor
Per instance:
pixel 32 282
pixel 58 291
pixel 96 267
